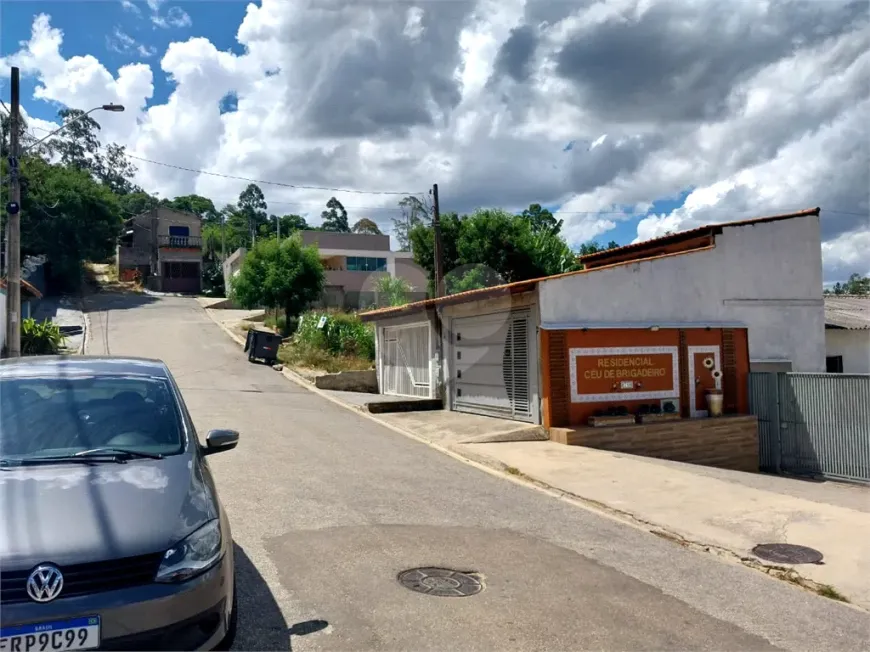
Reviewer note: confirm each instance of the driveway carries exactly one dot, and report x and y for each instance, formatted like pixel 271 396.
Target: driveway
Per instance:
pixel 328 507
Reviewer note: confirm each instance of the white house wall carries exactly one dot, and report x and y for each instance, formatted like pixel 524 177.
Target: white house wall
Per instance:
pixel 853 345
pixel 767 276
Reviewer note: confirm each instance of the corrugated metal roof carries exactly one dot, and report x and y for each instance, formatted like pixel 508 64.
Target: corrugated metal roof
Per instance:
pixel 850 311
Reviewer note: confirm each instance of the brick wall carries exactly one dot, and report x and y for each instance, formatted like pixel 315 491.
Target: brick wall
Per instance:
pixel 729 442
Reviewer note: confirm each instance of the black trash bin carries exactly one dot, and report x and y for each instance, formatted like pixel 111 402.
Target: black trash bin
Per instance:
pixel 263 345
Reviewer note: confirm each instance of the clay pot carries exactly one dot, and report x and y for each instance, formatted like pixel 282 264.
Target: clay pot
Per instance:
pixel 714 402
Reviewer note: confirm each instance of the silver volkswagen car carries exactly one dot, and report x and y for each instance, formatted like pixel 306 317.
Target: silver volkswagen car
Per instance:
pixel 111 532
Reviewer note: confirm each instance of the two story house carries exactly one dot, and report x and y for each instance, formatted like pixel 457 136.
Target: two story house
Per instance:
pixel 164 246
pixel 354 262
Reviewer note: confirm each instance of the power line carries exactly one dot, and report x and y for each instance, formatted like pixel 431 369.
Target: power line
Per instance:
pixel 262 181
pixel 378 192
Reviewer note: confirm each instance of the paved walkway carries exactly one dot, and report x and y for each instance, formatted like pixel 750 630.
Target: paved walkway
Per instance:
pixel 733 512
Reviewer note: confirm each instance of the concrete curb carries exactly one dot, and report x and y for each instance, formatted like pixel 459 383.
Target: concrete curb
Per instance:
pixel 86 328
pixel 482 462
pixel 463 453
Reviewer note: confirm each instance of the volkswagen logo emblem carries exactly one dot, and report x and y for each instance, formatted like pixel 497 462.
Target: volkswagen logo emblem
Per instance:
pixel 45 583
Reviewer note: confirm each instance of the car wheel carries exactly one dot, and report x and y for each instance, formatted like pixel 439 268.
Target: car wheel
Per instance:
pixel 230 637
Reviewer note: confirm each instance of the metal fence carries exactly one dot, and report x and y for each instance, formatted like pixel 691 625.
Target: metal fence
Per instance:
pixel 813 424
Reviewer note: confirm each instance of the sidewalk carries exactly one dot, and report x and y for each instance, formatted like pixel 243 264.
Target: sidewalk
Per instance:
pixel 724 512
pixel 716 511
pixel 66 313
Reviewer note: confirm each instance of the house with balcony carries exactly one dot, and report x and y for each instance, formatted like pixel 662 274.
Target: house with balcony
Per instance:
pixel 162 246
pixel 355 262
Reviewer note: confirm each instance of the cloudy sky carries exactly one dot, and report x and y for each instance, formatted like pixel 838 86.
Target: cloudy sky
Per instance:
pixel 631 117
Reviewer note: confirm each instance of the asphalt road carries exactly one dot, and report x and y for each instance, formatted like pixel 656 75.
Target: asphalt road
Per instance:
pixel 327 508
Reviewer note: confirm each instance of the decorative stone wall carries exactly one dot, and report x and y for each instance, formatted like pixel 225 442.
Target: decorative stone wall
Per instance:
pixel 729 442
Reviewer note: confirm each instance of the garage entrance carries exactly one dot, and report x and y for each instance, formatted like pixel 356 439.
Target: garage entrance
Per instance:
pixel 494 360
pixel 181 277
pixel 406 370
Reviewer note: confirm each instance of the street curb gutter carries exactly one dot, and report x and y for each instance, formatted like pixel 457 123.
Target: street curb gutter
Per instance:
pixel 500 470
pixel 86 327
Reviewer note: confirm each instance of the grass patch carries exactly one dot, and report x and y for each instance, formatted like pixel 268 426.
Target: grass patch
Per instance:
pixel 828 591
pixel 300 354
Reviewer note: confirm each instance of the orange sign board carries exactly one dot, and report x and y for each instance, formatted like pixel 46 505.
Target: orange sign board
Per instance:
pixel 604 374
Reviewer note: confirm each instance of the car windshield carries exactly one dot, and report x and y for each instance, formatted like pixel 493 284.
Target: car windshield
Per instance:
pixel 61 416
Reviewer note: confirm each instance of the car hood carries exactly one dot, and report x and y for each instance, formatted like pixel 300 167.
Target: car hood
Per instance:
pixel 77 513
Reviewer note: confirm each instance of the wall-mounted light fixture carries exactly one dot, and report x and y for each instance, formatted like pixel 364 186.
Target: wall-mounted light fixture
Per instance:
pixel 654 328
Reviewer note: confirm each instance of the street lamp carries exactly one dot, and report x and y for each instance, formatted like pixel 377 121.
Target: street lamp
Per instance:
pixel 114 108
pixel 13 208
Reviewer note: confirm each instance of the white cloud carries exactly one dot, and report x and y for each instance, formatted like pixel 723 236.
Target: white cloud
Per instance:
pixel 174 17
pixel 768 113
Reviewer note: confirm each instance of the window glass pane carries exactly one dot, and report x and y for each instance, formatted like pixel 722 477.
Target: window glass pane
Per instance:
pixel 351 263
pixel 179 230
pixel 49 415
pixel 382 264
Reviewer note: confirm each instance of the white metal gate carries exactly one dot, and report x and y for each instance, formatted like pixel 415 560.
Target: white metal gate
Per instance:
pixel 493 365
pixel 406 361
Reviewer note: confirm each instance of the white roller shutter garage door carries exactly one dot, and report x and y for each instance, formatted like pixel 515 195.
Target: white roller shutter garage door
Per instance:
pixel 493 365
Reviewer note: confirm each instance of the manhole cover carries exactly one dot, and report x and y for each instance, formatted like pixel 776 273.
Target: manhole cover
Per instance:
pixel 787 553
pixel 441 582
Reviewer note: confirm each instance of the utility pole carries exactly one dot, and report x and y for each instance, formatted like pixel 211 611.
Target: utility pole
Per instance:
pixel 439 292
pixel 439 249
pixel 157 282
pixel 13 226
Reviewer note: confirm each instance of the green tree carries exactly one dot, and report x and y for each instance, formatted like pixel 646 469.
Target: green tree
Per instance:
pixel 857 285
pixel 542 219
pixel 335 217
pixel 491 244
pixel 68 216
pixel 198 205
pixel 78 145
pixel 393 291
pixel 292 223
pixel 136 203
pixel 414 213
pixel 284 275
pixel 252 205
pixel 365 225
pixel 592 247
pixel 115 170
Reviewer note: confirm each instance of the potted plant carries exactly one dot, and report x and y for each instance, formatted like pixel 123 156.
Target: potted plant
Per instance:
pixel 714 396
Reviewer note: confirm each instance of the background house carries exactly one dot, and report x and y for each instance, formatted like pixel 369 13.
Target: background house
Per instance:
pixel 354 262
pixel 165 246
pixel 847 334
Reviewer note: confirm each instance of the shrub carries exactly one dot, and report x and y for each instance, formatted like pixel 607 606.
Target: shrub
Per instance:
pixel 40 338
pixel 343 334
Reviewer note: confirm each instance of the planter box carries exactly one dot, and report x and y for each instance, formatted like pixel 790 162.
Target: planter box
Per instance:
pixel 601 422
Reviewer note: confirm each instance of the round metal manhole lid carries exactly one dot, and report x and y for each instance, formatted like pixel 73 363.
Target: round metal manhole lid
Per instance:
pixel 441 582
pixel 787 553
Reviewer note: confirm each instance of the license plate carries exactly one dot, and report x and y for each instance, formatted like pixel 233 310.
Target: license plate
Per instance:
pixel 75 634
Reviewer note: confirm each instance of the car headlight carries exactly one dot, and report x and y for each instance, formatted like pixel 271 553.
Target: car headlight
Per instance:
pixel 193 555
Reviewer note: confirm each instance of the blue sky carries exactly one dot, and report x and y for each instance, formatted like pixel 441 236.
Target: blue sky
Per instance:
pixel 89 28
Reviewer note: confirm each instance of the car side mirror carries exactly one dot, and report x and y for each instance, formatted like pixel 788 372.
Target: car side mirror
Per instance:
pixel 220 440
